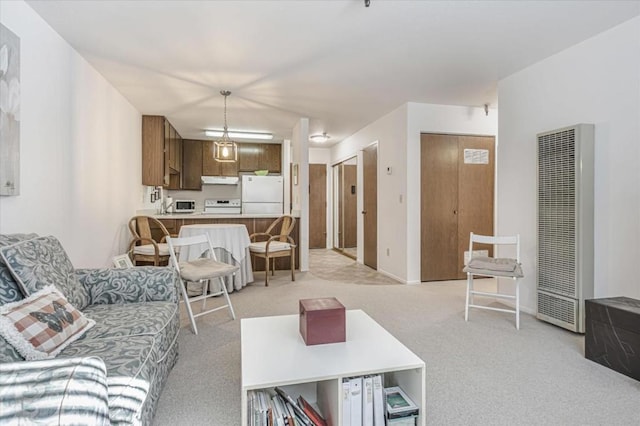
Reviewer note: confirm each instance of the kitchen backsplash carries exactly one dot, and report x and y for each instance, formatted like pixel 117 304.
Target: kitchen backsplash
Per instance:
pixel 208 192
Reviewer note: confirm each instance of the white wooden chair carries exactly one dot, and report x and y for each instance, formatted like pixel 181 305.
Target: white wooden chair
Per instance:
pixel 493 267
pixel 203 269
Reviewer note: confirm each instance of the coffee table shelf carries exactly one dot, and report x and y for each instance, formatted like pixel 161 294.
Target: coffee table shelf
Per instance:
pixel 274 354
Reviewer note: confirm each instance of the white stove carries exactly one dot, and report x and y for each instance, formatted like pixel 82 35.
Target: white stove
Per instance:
pixel 230 206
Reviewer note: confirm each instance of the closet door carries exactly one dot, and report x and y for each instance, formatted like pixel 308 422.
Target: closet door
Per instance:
pixel 475 192
pixel 439 205
pixel 457 182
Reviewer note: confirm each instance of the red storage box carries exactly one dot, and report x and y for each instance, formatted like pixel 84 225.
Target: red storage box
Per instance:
pixel 322 321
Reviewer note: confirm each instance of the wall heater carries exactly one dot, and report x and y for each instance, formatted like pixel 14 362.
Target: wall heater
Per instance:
pixel 565 225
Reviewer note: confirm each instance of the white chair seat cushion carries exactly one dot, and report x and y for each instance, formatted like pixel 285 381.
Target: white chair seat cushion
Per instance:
pixel 149 250
pixel 501 267
pixel 261 247
pixel 202 269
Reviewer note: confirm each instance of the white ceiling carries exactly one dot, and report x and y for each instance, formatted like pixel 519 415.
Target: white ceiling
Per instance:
pixel 338 63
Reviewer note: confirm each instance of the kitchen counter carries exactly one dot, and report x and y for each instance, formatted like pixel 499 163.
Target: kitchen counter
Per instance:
pixel 201 215
pixel 254 222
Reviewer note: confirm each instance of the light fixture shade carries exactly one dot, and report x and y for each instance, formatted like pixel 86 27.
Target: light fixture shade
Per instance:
pixel 225 151
pixel 319 138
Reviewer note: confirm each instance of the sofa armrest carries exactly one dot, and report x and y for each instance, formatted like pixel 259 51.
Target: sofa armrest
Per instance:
pixel 130 285
pixel 57 391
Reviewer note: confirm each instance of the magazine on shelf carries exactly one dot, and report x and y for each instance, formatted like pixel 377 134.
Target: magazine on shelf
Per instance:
pixel 311 412
pixel 297 410
pixel 398 403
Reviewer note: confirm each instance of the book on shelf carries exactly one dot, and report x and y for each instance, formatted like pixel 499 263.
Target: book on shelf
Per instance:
pixel 367 401
pixel 398 403
pixel 378 401
pixel 346 402
pixel 311 412
pixel 292 404
pixel 355 392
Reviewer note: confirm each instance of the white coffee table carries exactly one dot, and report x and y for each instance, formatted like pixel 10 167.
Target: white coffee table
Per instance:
pixel 274 354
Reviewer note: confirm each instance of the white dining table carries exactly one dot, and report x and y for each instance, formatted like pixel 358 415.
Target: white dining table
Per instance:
pixel 231 244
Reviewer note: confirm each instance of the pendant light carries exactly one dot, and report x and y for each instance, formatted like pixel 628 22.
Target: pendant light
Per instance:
pixel 225 150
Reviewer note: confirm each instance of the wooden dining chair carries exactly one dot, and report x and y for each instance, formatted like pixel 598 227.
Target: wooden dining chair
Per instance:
pixel 275 242
pixel 143 248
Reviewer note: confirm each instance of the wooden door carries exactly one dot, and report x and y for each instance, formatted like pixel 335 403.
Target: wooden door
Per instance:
pixel 318 206
pixel 370 205
pixel 439 205
pixel 350 206
pixel 339 186
pixel 475 192
pixel 457 186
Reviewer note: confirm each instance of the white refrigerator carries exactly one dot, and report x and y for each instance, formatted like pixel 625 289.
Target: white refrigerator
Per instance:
pixel 262 194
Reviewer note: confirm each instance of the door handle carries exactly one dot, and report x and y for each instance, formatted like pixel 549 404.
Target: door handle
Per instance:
pixel 364 212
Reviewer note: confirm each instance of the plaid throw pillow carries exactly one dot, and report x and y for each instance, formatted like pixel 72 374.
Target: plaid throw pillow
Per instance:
pixel 43 324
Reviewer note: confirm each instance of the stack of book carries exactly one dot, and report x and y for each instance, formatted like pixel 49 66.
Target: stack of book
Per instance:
pixel 277 408
pixel 363 401
pixel 400 410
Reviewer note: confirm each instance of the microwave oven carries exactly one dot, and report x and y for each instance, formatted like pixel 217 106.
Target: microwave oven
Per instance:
pixel 184 206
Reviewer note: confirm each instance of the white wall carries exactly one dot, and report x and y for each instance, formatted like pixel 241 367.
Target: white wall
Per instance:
pixel 79 150
pixel 596 81
pixel 390 132
pixel 398 136
pixel 300 192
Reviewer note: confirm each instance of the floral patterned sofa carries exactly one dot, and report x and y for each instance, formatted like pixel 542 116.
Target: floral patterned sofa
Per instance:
pixel 115 371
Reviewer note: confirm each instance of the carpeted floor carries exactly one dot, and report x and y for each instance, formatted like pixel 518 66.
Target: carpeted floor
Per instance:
pixel 484 372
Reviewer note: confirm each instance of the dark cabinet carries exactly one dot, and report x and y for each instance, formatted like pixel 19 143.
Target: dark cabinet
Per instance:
pixel 161 152
pixel 211 167
pixel 192 163
pixel 260 156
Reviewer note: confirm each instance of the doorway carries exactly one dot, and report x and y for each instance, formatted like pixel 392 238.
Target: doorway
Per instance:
pixel 457 186
pixel 318 206
pixel 345 238
pixel 370 205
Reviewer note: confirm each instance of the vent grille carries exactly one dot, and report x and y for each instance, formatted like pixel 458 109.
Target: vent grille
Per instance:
pixel 556 212
pixel 559 309
pixel 565 224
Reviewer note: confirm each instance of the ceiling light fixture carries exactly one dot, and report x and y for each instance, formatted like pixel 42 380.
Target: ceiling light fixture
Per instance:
pixel 240 134
pixel 225 150
pixel 320 137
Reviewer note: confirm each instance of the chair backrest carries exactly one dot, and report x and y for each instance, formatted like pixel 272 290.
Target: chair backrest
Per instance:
pixel 202 243
pixel 495 240
pixel 140 227
pixel 286 224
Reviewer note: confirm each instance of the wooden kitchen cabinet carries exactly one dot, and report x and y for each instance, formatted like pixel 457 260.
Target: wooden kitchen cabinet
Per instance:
pixel 192 163
pixel 259 156
pixel 271 157
pixel 161 152
pixel 211 167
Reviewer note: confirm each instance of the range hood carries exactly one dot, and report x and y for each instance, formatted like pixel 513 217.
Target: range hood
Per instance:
pixel 220 180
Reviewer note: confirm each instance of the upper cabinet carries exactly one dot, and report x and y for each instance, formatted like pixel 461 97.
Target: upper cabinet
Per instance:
pixel 192 162
pixel 161 152
pixel 260 156
pixel 211 167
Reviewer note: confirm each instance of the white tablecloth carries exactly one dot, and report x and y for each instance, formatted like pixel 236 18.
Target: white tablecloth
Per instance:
pixel 231 243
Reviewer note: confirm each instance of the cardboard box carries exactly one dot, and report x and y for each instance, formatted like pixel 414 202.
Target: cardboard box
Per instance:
pixel 322 321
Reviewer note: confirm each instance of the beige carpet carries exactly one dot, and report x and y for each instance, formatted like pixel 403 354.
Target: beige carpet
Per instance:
pixel 483 372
